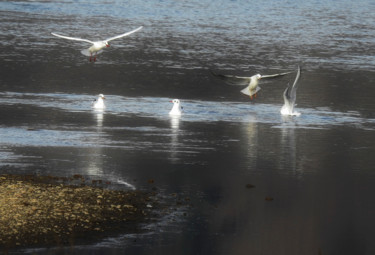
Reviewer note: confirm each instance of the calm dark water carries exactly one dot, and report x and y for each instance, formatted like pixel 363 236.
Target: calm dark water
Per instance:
pixel 318 167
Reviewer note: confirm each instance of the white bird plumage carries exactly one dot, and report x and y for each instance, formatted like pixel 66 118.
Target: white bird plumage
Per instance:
pixel 251 82
pixel 289 96
pixel 176 109
pixel 97 46
pixel 99 102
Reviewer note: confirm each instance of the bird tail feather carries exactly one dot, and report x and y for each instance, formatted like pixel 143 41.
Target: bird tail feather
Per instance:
pixel 86 52
pixel 247 91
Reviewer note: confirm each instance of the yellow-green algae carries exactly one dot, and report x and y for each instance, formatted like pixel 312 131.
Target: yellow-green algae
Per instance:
pixel 43 211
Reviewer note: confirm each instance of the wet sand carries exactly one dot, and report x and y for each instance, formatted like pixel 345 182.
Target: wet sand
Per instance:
pixel 44 211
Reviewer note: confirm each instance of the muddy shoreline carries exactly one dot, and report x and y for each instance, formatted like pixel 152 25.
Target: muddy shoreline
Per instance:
pixel 49 211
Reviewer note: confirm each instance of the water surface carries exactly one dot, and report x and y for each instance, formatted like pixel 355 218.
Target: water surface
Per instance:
pixel 317 168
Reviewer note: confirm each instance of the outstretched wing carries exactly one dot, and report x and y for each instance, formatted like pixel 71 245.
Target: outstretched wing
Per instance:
pixel 293 91
pixel 232 80
pixel 290 92
pixel 125 34
pixel 274 75
pixel 72 38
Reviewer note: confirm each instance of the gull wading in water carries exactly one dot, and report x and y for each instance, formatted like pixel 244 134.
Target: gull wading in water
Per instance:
pixel 97 46
pixel 252 82
pixel 290 97
pixel 99 102
pixel 176 109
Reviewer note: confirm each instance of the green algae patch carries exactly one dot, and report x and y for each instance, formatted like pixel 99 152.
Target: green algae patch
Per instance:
pixel 43 211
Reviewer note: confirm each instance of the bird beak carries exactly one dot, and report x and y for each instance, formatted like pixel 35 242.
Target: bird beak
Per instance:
pixel 107 45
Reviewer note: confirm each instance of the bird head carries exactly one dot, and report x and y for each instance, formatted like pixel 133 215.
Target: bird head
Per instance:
pixel 101 96
pixel 106 44
pixel 258 76
pixel 175 101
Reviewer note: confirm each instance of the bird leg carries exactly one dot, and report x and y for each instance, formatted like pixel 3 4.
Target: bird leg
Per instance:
pixel 95 56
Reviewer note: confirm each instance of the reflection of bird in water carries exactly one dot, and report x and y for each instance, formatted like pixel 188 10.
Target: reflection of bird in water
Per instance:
pixel 176 109
pixel 290 97
pixel 97 46
pixel 175 132
pixel 288 152
pixel 99 102
pixel 175 122
pixel 99 118
pixel 252 82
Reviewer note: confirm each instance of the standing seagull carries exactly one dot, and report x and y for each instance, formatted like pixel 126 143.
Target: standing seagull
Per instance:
pixel 290 97
pixel 97 46
pixel 99 102
pixel 176 109
pixel 252 82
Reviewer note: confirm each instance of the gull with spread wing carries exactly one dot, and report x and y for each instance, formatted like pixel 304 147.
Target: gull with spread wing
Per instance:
pixel 252 82
pixel 97 46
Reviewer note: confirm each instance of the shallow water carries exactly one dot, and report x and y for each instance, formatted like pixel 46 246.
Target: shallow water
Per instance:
pixel 317 167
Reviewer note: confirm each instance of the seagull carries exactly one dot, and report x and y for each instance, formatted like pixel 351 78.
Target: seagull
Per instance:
pixel 97 46
pixel 252 82
pixel 99 102
pixel 290 97
pixel 176 109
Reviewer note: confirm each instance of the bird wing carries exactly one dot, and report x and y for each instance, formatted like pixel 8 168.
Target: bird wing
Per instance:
pixel 291 91
pixel 72 38
pixel 287 100
pixel 274 75
pixel 122 35
pixel 232 80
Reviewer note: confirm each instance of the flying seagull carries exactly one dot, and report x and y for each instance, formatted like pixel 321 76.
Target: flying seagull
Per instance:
pixel 97 46
pixel 290 97
pixel 252 82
